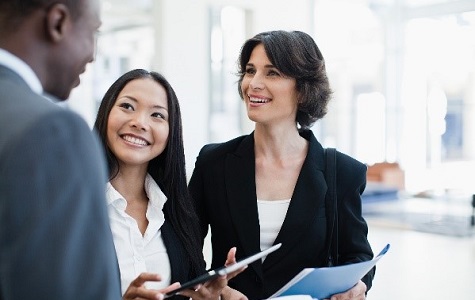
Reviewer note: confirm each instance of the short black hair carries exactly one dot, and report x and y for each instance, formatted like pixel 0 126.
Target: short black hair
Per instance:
pixel 296 55
pixel 12 12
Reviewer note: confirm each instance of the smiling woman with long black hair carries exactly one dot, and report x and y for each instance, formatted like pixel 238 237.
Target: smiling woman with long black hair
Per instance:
pixel 153 223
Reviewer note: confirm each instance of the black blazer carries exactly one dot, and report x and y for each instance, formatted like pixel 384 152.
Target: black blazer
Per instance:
pixel 180 263
pixel 224 190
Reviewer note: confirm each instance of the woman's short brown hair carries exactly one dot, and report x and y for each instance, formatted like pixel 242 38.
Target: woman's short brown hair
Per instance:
pixel 296 55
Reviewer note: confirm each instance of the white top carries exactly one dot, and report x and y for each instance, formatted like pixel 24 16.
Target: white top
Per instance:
pixel 271 217
pixel 136 253
pixel 21 68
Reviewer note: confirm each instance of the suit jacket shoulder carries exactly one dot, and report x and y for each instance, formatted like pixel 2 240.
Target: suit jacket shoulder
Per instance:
pixel 348 162
pixel 350 172
pixel 219 150
pixel 21 107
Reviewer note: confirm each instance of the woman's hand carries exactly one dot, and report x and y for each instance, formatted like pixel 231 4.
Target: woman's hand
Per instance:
pixel 232 294
pixel 137 289
pixel 230 260
pixel 213 289
pixel 355 293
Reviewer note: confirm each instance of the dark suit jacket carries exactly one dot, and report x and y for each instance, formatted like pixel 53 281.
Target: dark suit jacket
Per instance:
pixel 55 239
pixel 180 263
pixel 224 190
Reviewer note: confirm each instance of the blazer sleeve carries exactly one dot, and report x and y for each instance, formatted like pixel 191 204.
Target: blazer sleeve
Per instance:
pixel 353 230
pixel 196 188
pixel 55 237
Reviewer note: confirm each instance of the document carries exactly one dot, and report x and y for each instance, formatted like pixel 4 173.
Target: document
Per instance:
pixel 222 270
pixel 321 283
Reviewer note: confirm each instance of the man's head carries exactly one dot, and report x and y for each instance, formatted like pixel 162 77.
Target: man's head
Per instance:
pixel 56 38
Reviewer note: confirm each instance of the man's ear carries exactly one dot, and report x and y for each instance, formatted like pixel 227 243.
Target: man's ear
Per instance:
pixel 58 18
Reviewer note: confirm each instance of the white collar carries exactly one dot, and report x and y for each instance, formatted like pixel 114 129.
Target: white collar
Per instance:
pixel 21 68
pixel 155 195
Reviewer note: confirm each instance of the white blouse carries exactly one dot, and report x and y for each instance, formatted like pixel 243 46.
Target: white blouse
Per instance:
pixel 271 217
pixel 137 253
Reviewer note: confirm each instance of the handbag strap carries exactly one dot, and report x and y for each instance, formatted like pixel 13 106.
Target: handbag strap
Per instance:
pixel 331 205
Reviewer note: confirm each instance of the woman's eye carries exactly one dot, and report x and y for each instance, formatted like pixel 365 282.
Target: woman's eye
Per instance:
pixel 273 73
pixel 158 115
pixel 250 71
pixel 126 105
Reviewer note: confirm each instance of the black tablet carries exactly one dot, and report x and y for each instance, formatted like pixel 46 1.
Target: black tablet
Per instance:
pixel 222 271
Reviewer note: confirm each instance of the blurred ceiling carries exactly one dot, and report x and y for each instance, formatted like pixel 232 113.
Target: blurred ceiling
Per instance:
pixel 125 14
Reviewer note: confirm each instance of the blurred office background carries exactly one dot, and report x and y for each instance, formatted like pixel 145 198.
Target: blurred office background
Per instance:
pixel 403 73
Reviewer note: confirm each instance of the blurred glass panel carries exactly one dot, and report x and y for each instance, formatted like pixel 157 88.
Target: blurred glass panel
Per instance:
pixel 416 3
pixel 227 33
pixel 419 56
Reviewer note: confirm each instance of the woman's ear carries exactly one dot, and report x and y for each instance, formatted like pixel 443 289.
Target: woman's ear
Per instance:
pixel 58 19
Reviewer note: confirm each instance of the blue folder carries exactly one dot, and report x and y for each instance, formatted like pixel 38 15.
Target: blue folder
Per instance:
pixel 321 283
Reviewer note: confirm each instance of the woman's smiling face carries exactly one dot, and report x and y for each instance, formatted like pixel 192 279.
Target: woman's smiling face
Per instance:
pixel 270 96
pixel 138 127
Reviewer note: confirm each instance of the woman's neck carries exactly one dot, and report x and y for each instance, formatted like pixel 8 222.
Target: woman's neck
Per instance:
pixel 278 142
pixel 130 183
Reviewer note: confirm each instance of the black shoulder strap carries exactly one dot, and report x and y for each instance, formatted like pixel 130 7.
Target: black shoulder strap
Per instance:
pixel 331 205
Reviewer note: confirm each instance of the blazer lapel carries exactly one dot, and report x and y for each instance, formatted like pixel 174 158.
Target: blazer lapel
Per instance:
pixel 308 195
pixel 241 195
pixel 179 263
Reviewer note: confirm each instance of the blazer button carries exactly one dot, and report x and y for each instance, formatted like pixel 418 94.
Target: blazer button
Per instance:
pixel 258 280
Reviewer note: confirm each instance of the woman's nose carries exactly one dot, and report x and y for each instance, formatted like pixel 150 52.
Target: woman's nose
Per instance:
pixel 139 122
pixel 256 83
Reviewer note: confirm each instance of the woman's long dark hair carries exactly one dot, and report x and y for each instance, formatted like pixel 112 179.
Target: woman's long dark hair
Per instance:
pixel 167 169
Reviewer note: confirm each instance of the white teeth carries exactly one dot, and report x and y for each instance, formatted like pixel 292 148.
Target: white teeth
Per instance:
pixel 134 140
pixel 258 100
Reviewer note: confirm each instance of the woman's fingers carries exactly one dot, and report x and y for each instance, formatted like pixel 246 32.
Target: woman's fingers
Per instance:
pixel 137 290
pixel 231 259
pixel 144 277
